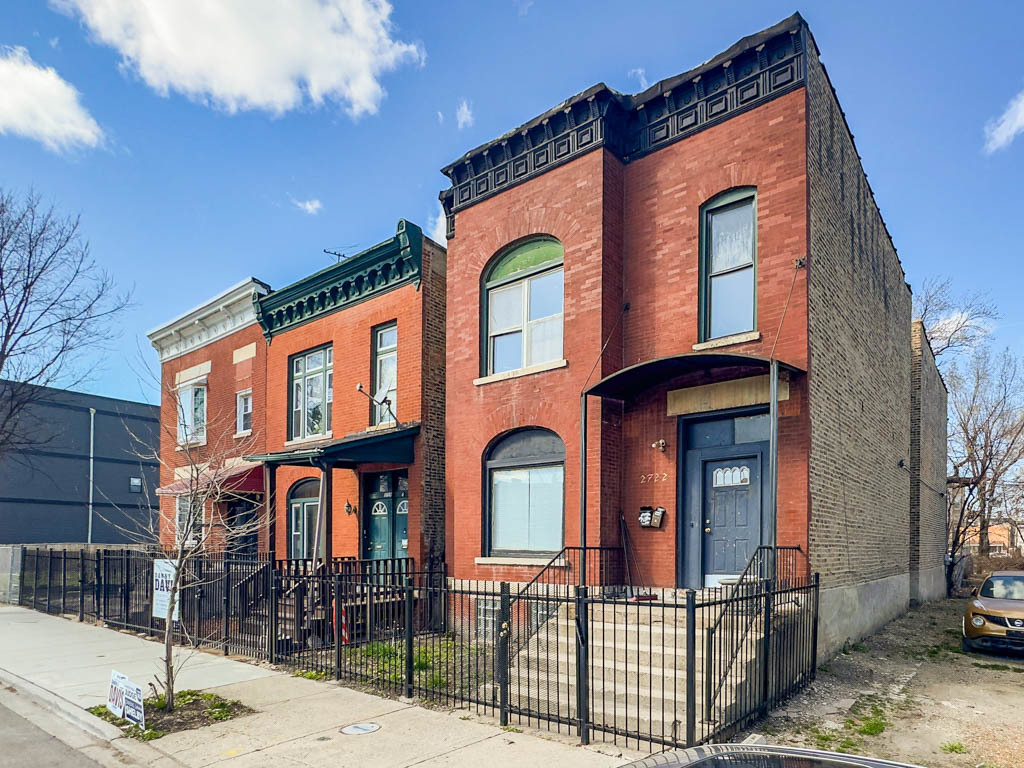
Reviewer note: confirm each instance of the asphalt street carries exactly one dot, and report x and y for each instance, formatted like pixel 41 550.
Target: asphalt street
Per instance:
pixel 24 745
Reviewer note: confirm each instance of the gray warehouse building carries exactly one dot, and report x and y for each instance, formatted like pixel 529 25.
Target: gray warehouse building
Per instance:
pixel 82 480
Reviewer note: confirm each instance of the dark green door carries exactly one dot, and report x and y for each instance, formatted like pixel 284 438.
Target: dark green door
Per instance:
pixel 387 514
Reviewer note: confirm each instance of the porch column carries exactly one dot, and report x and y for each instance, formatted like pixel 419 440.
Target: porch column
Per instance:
pixel 583 487
pixel 327 483
pixel 270 505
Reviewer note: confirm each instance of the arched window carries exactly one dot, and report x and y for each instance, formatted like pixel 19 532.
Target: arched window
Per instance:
pixel 525 499
pixel 523 306
pixel 303 507
pixel 728 247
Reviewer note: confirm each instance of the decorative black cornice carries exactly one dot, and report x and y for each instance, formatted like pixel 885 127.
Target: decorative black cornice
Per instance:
pixel 372 272
pixel 754 70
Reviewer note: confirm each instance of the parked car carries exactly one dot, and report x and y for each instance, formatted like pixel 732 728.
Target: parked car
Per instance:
pixel 760 756
pixel 994 616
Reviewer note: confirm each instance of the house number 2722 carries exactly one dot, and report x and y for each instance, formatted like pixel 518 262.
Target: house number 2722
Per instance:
pixel 654 477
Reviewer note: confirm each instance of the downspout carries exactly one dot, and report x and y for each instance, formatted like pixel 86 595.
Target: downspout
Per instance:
pixel 583 486
pixel 92 435
pixel 773 453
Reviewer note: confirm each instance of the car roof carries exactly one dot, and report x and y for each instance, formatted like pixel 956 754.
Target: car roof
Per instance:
pixel 1007 573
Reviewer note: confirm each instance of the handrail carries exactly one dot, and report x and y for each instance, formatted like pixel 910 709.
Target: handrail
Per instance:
pixel 541 572
pixel 712 690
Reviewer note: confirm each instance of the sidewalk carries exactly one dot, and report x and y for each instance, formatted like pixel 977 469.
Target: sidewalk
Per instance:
pixel 297 721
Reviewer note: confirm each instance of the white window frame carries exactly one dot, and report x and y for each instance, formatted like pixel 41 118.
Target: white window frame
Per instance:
pixel 381 413
pixel 240 413
pixel 525 326
pixel 188 433
pixel 179 525
pixel 298 386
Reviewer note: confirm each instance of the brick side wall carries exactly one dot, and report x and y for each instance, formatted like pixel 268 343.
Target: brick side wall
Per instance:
pixel 927 461
pixel 226 378
pixel 859 335
pixel 433 399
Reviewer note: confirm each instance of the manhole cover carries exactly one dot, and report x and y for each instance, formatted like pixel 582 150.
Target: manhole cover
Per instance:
pixel 359 728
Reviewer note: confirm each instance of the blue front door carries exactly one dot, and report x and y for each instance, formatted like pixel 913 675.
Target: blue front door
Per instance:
pixel 721 488
pixel 732 515
pixel 387 514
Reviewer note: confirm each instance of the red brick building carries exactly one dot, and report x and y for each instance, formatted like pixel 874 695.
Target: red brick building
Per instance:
pixel 652 261
pixel 347 407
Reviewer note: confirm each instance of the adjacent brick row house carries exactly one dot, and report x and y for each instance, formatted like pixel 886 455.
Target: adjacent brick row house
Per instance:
pixel 698 275
pixel 326 397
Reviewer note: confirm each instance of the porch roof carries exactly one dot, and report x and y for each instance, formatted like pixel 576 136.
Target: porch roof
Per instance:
pixel 634 379
pixel 393 445
pixel 238 478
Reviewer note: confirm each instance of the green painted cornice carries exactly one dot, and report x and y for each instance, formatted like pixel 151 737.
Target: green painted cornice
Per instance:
pixel 376 270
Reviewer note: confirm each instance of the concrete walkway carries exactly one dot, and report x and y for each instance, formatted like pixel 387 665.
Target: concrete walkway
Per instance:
pixel 297 722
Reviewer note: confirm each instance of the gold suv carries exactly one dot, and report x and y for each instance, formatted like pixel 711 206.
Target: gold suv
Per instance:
pixel 994 617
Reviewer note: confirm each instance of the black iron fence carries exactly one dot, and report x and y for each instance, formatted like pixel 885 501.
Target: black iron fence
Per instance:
pixel 572 650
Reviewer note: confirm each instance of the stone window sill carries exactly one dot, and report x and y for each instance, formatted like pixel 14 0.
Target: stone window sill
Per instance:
pixel 243 433
pixel 540 368
pixel 535 562
pixel 726 341
pixel 310 439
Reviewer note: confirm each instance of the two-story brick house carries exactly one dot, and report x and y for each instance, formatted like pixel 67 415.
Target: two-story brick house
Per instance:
pixel 332 389
pixel 702 272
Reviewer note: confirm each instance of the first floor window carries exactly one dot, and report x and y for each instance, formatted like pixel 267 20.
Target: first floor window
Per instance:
pixel 303 514
pixel 312 383
pixel 728 254
pixel 526 493
pixel 191 414
pixel 188 520
pixel 243 412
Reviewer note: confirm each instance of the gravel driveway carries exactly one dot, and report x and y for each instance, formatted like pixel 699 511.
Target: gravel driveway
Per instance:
pixel 909 694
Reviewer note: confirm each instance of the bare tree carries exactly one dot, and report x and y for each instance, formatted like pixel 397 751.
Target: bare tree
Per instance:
pixel 956 322
pixel 986 444
pixel 205 466
pixel 56 305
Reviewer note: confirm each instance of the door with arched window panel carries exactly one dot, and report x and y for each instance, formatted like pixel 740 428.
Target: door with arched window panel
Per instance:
pixel 386 516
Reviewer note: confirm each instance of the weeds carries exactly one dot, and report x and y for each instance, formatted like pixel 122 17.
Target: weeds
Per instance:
pixel 954 748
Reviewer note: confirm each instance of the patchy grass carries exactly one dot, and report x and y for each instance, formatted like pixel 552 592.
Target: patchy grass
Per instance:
pixel 954 748
pixel 310 674
pixel 192 709
pixel 874 724
pixel 997 667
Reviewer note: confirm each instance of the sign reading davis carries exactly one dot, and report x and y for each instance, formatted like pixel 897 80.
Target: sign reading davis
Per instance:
pixel 163 578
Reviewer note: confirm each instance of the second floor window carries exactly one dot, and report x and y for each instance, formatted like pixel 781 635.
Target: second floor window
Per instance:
pixel 524 292
pixel 192 414
pixel 385 374
pixel 243 412
pixel 728 258
pixel 311 394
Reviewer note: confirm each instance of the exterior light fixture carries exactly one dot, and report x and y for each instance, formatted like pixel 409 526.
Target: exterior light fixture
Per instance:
pixel 659 445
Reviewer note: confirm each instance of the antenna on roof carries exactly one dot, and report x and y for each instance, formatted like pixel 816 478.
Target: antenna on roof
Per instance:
pixel 339 256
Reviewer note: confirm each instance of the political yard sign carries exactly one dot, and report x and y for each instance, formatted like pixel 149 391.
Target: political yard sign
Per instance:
pixel 163 579
pixel 124 699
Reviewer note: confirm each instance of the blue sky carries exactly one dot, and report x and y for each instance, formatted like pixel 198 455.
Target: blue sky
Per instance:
pixel 214 147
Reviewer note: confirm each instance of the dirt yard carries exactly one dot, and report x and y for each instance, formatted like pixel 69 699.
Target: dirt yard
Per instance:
pixel 909 694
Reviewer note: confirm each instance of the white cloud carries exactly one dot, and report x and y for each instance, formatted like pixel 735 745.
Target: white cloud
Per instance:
pixel 39 104
pixel 524 6
pixel 640 75
pixel 463 114
pixel 312 207
pixel 254 54
pixel 440 117
pixel 999 133
pixel 54 42
pixel 437 226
